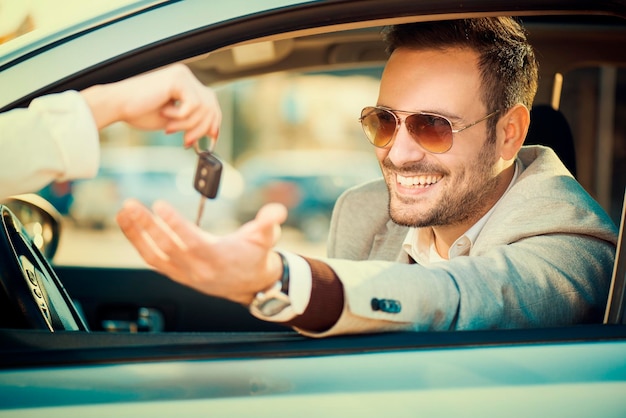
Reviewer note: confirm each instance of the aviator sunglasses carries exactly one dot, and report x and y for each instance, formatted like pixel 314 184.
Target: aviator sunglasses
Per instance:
pixel 432 132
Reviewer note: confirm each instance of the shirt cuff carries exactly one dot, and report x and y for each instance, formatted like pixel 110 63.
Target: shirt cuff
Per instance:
pixel 300 279
pixel 300 282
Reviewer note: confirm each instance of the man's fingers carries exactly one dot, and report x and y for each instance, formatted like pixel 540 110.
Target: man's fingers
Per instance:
pixel 185 231
pixel 272 213
pixel 127 217
pixel 128 220
pixel 265 230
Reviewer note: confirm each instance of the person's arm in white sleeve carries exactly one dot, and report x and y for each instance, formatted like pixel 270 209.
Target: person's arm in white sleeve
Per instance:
pixel 54 139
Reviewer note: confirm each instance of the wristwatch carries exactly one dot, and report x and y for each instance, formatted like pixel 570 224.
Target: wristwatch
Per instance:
pixel 273 301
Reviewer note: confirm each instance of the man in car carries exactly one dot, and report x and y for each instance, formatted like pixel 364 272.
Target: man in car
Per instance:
pixel 467 230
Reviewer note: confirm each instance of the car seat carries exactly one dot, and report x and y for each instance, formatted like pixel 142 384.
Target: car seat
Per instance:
pixel 550 128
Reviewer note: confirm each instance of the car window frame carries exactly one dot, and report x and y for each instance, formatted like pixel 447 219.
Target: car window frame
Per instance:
pixel 62 346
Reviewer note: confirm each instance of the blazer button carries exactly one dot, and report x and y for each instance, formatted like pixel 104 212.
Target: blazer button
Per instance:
pixel 386 305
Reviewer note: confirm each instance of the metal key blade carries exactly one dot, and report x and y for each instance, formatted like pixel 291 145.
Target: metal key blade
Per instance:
pixel 200 210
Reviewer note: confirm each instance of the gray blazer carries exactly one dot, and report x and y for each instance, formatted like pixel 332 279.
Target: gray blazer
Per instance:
pixel 544 258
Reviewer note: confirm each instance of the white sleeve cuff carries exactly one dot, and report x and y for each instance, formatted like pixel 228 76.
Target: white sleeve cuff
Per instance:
pixel 300 282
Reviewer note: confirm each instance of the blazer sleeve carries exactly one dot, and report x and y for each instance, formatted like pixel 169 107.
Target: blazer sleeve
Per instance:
pixel 514 286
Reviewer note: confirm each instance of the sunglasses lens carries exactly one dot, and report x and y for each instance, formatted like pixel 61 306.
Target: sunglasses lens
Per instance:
pixel 432 132
pixel 379 125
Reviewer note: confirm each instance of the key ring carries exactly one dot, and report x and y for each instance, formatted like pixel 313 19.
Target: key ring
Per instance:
pixel 196 146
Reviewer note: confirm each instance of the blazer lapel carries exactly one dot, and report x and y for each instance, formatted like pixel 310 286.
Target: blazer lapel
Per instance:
pixel 387 245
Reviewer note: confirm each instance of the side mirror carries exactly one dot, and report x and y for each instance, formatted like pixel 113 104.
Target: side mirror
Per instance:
pixel 41 221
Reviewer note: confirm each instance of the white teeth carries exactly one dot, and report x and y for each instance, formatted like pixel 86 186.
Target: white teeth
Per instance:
pixel 422 181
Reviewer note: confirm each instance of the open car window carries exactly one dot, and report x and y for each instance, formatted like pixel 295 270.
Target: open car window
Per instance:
pixel 274 123
pixel 291 103
pixel 291 135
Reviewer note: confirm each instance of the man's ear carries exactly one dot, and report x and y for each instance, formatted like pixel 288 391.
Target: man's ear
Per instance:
pixel 514 124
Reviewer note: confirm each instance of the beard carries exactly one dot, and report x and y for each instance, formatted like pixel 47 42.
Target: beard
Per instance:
pixel 466 196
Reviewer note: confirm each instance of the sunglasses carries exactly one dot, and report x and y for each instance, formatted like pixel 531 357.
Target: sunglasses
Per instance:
pixel 432 132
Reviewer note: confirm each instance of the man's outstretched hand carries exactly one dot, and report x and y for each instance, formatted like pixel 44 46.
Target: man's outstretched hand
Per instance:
pixel 235 266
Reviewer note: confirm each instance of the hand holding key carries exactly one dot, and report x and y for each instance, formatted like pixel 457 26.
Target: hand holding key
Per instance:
pixel 208 175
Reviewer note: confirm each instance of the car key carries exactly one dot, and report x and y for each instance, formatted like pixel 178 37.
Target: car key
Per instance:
pixel 208 174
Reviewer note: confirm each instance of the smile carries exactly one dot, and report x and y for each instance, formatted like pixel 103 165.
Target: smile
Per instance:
pixel 418 181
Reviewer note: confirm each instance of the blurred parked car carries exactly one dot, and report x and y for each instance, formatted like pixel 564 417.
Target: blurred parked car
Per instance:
pixel 307 182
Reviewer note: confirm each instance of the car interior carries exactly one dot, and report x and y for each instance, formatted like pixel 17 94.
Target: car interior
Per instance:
pixel 117 312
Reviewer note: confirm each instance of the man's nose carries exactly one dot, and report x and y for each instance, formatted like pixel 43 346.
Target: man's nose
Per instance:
pixel 404 148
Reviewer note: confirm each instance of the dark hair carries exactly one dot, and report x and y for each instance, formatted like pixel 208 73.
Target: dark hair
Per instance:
pixel 506 59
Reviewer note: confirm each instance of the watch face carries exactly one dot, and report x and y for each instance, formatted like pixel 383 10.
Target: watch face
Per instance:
pixel 271 302
pixel 272 306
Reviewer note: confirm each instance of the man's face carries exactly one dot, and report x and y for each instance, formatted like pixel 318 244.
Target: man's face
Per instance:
pixel 460 185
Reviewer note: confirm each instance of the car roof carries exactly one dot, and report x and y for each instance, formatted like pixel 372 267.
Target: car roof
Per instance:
pixel 208 36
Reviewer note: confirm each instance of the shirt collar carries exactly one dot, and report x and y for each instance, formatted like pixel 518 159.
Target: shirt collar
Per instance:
pixel 419 243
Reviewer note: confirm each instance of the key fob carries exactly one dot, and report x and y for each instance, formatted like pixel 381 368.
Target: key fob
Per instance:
pixel 208 174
